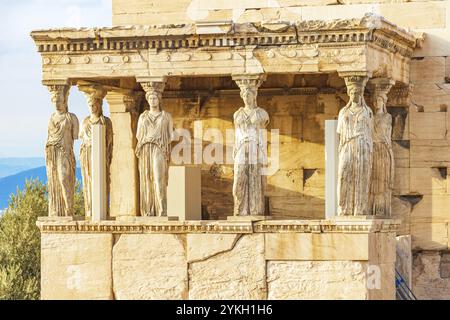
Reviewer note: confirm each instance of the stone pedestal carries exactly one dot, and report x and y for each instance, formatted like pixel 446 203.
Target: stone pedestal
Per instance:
pixel 184 193
pixel 278 259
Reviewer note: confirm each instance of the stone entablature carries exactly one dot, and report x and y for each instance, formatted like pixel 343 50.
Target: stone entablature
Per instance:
pixel 370 45
pixel 343 225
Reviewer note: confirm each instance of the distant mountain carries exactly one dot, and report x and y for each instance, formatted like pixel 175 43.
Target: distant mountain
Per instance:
pixel 10 184
pixel 10 166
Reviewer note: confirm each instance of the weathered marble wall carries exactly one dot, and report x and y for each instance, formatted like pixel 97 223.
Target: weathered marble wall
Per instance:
pixel 314 259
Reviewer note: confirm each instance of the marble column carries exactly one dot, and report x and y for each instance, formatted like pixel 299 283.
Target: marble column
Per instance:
pixel 97 164
pixel 63 129
pixel 124 113
pixel 355 129
pixel 250 149
pixel 382 181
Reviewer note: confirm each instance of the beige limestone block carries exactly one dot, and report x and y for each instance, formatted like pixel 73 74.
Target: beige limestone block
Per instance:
pixel 429 235
pixel 428 69
pixel 285 183
pixel 430 96
pixel 76 266
pixel 150 266
pixel 428 282
pixel 428 181
pixel 436 44
pixel 401 181
pixel 317 246
pixel 298 207
pixel 428 125
pixel 430 14
pixel 430 153
pixel 299 154
pixel 237 274
pixel 382 246
pixel 204 246
pixel 401 153
pixel 432 208
pixel 322 280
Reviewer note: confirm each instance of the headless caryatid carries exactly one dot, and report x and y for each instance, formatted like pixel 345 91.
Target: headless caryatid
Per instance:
pixel 154 137
pixel 59 155
pixel 95 96
pixel 250 152
pixel 383 156
pixel 355 129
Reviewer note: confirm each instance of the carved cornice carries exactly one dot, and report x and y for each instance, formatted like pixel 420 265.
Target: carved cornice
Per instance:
pixel 369 29
pixel 238 227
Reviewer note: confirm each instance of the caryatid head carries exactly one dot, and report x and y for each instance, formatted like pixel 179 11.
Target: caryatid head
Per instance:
pixel 381 99
pixel 153 93
pixel 60 97
pixel 355 89
pixel 95 98
pixel 249 90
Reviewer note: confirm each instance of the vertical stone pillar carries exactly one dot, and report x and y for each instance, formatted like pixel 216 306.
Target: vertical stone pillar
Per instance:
pixel 124 113
pixel 331 168
pixel 99 188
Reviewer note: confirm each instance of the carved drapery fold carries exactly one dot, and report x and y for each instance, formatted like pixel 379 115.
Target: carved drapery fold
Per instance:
pixel 355 129
pixel 382 181
pixel 59 156
pixel 250 149
pixel 154 136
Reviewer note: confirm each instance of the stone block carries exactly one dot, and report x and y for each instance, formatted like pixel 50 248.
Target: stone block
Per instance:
pixel 150 267
pixel 237 274
pixel 428 69
pixel 401 181
pixel 429 235
pixel 430 153
pixel 322 246
pixel 428 125
pixel 321 280
pixel 203 246
pixel 76 266
pixel 428 181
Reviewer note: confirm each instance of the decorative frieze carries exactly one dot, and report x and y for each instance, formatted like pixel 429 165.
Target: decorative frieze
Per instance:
pixel 233 227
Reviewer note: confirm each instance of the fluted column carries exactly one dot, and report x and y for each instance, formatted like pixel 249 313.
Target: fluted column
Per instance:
pixel 382 180
pixel 124 113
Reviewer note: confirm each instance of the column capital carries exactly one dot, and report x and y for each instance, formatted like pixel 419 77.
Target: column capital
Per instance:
pixel 248 80
pixel 93 90
pixel 56 82
pixel 380 85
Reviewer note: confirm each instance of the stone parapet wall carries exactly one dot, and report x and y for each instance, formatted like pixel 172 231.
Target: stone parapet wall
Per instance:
pixel 278 259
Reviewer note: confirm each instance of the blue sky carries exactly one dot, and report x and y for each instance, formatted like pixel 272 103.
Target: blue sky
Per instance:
pixel 25 104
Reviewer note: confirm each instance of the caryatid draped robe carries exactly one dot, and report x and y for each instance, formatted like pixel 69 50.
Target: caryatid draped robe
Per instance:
pixel 60 163
pixel 250 156
pixel 355 128
pixel 154 136
pixel 383 166
pixel 86 158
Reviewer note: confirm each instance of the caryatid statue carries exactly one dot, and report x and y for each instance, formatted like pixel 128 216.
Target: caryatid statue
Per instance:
pixel 154 137
pixel 383 156
pixel 94 95
pixel 250 150
pixel 59 155
pixel 355 129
